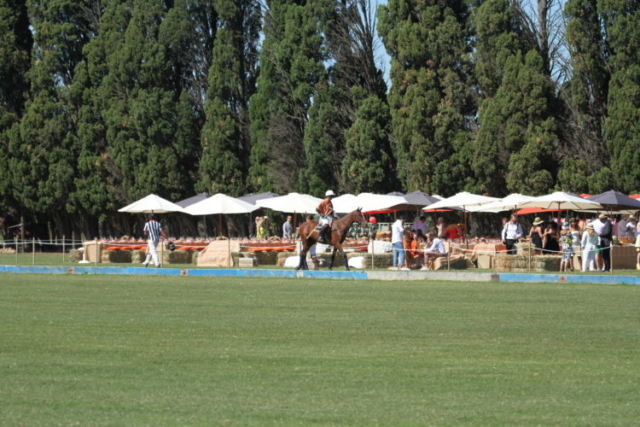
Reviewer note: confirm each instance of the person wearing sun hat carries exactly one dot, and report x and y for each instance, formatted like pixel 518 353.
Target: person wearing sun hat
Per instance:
pixel 536 234
pixel 589 245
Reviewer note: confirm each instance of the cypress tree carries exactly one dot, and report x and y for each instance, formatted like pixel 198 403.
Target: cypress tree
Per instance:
pixel 429 48
pixel 43 154
pixel 621 20
pixel 15 48
pixel 515 143
pixel 225 136
pixel 368 165
pixel 291 65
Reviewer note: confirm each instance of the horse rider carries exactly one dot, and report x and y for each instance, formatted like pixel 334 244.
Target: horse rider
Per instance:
pixel 325 210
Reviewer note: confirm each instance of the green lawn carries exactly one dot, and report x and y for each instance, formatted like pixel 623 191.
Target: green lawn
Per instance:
pixel 187 351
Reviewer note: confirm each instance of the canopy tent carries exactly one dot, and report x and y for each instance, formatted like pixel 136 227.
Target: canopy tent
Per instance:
pixel 151 204
pixel 194 199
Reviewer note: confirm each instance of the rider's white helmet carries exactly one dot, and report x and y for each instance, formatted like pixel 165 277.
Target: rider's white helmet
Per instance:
pixel 329 193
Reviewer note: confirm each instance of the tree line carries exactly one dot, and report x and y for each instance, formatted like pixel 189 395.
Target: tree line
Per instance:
pixel 105 101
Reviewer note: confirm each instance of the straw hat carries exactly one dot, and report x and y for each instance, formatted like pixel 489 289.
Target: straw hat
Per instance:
pixel 589 227
pixel 603 215
pixel 537 221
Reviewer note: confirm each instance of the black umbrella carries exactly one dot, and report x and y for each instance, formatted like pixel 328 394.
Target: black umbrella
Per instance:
pixel 615 201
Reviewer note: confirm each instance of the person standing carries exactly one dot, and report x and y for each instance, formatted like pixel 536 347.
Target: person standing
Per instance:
pixel 536 234
pixel 589 245
pixel 397 230
pixel 511 234
pixel 154 232
pixel 287 229
pixel 325 210
pixel 604 245
pixel 420 225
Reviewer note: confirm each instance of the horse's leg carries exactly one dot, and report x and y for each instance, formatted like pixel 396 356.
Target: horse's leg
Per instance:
pixel 302 262
pixel 333 256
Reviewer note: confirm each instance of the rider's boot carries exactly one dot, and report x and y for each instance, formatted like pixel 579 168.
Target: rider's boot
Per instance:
pixel 322 235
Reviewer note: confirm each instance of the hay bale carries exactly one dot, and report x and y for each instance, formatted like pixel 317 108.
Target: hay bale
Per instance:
pixel 453 262
pixel 282 257
pixel 75 255
pixel 116 256
pixel 138 256
pixel 177 257
pixel 266 257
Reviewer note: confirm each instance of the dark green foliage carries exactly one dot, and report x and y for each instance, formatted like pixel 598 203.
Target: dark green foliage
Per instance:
pixel 368 163
pixel 429 97
pixel 225 136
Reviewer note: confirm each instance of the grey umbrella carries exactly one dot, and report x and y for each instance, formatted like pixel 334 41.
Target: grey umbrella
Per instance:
pixel 615 201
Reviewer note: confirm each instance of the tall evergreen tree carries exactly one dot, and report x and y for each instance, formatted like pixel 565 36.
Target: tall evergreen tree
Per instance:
pixel 43 155
pixel 225 136
pixel 586 91
pixel 515 143
pixel 291 65
pixel 15 49
pixel 429 47
pixel 621 20
pixel 368 164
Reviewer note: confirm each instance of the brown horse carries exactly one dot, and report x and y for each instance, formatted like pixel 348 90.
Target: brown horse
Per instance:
pixel 339 229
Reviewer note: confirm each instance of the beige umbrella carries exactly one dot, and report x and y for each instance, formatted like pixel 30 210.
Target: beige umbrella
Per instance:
pixel 151 204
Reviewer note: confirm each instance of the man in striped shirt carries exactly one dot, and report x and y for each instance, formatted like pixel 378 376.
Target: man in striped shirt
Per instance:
pixel 153 230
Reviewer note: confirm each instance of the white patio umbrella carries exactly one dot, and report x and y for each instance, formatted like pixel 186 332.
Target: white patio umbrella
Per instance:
pixel 560 200
pixel 220 204
pixel 151 204
pixel 369 202
pixel 343 203
pixel 464 200
pixel 511 202
pixel 292 202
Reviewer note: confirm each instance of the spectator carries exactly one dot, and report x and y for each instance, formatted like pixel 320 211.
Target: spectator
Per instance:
pixel 436 250
pixel 536 234
pixel 420 225
pixel 511 234
pixel 396 242
pixel 589 246
pixel 287 228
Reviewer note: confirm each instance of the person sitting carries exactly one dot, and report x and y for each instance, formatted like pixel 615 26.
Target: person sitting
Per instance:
pixel 325 210
pixel 436 250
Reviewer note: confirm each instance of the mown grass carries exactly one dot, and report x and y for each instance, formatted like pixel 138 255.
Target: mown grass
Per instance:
pixel 186 351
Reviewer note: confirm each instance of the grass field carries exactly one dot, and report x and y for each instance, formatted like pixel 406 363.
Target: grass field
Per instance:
pixel 186 351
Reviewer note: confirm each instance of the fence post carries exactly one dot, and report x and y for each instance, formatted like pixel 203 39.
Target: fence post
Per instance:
pixel 33 251
pixel 15 243
pixel 529 257
pixel 63 249
pixel 97 251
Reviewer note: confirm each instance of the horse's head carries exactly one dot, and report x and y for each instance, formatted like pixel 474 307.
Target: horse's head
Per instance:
pixel 359 217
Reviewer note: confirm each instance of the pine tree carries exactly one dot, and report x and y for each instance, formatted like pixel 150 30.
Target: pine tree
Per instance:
pixel 429 47
pixel 43 153
pixel 368 165
pixel 621 20
pixel 587 90
pixel 225 136
pixel 15 48
pixel 291 65
pixel 517 136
